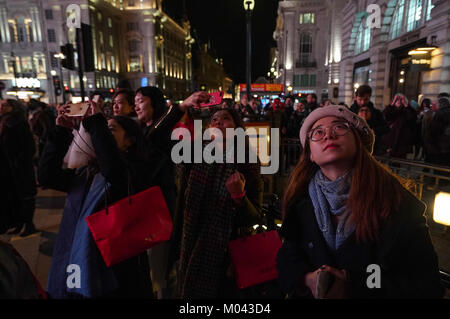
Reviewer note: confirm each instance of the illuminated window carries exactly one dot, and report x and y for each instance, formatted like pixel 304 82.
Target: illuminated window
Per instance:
pixel 396 26
pixel 430 6
pixel 135 64
pixel 100 35
pixel 110 22
pixel 362 43
pixel 414 14
pixel 103 61
pixel 307 18
pixel 27 65
pixel 29 32
pixel 111 42
pixel 13 31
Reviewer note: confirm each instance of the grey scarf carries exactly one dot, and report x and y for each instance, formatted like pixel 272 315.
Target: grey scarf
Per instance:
pixel 330 197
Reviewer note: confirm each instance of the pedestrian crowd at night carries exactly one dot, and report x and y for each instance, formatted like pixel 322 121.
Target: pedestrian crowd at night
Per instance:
pixel 341 209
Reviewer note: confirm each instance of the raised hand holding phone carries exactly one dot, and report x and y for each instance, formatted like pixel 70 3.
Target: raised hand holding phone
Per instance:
pixel 215 98
pixel 194 100
pixel 77 109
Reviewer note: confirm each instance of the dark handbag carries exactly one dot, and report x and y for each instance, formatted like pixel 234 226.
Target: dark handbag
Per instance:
pixel 254 258
pixel 130 226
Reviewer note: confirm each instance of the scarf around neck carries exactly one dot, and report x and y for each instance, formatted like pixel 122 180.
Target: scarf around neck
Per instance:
pixel 330 198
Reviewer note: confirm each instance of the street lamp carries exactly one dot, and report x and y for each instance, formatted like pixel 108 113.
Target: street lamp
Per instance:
pixel 249 5
pixel 60 57
pixel 13 61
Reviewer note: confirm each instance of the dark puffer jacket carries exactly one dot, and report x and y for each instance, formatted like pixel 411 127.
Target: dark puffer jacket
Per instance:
pixel 405 254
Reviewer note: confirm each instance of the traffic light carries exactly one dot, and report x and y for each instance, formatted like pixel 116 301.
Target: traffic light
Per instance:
pixel 57 85
pixel 111 90
pixel 68 61
pixel 66 88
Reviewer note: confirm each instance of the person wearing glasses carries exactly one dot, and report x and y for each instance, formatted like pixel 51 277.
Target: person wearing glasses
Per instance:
pixel 350 228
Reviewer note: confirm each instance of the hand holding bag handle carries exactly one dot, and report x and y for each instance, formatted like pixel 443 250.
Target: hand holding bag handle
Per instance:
pixel 131 225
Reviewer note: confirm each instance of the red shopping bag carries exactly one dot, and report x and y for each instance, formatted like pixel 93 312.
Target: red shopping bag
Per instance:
pixel 254 258
pixel 131 225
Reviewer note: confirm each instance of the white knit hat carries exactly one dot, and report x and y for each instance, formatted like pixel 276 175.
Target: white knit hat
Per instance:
pixel 366 133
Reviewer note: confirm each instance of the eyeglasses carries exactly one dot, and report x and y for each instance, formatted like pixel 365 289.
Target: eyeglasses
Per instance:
pixel 337 129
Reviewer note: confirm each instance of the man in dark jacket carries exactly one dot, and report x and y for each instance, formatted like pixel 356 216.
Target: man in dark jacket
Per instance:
pixel 438 137
pixel 374 117
pixel 402 121
pixel 311 102
pixel 17 146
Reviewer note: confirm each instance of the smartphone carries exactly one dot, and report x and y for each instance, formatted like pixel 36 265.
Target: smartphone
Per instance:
pixel 215 98
pixel 78 109
pixel 323 284
pixel 96 98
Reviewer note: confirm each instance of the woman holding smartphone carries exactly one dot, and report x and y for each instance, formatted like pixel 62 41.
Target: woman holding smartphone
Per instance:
pixel 345 214
pixel 121 166
pixel 219 198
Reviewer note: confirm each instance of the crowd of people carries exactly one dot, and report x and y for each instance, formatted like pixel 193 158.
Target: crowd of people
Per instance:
pixel 418 128
pixel 328 224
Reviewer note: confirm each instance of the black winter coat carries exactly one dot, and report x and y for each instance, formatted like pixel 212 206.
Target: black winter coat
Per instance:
pixel 18 146
pixel 118 168
pixel 405 254
pixel 17 177
pixel 378 124
pixel 403 125
pixel 438 138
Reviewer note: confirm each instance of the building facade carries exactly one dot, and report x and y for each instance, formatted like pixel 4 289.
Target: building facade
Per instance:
pixel 131 39
pixel 209 73
pixel 408 52
pixel 23 60
pixel 308 35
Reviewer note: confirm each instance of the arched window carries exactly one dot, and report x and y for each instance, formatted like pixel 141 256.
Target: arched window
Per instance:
pixel 415 14
pixel 362 43
pixel 410 15
pixel 305 47
pixel 396 26
pixel 430 6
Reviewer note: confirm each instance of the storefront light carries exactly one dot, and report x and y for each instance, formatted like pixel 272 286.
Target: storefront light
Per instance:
pixel 441 211
pixel 356 85
pixel 426 49
pixel 417 52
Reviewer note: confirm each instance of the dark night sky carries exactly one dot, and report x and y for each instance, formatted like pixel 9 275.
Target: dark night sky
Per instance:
pixel 222 22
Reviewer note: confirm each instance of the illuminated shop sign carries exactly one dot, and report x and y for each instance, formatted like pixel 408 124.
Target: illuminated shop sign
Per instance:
pixel 28 83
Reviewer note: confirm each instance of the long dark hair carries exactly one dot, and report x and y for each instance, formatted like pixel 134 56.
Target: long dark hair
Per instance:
pixel 134 133
pixel 157 99
pixel 375 193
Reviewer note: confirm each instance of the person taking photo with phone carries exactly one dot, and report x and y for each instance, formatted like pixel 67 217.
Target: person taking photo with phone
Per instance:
pixel 120 169
pixel 219 199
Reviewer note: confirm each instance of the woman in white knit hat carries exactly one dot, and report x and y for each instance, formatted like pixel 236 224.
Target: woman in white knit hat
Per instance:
pixel 350 229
